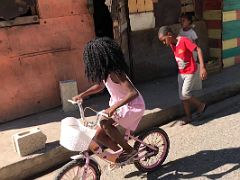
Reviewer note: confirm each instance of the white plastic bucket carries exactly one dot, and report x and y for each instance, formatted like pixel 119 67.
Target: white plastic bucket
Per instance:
pixel 74 135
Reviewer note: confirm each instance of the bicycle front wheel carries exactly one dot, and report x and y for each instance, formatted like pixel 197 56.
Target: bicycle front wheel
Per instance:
pixel 157 138
pixel 74 171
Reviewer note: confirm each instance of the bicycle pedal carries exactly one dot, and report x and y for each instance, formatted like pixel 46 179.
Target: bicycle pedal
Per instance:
pixel 113 167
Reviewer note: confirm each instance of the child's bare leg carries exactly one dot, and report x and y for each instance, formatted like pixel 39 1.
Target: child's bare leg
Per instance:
pixel 197 103
pixel 187 109
pixel 96 149
pixel 102 138
pixel 114 133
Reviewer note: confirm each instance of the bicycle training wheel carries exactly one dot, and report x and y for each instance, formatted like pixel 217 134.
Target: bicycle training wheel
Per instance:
pixel 159 139
pixel 74 171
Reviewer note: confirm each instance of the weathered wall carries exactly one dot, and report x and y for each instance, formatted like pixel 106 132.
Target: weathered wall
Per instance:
pixel 152 59
pixel 167 12
pixel 212 14
pixel 34 58
pixel 148 14
pixel 231 33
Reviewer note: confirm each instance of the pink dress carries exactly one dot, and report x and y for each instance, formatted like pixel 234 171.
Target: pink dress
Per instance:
pixel 130 114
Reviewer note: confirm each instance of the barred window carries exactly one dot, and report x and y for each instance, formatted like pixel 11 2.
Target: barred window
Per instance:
pixel 18 12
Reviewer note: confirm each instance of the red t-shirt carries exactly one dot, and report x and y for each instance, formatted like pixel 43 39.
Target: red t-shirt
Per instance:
pixel 183 52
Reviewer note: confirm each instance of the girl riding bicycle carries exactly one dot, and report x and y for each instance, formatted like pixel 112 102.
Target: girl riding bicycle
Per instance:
pixel 105 66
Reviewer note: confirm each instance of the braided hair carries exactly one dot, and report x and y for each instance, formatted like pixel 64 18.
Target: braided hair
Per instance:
pixel 101 57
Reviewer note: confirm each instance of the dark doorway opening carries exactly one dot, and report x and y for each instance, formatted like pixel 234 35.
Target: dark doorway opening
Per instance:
pixel 102 19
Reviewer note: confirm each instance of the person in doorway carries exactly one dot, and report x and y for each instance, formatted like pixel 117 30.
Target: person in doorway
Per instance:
pixel 102 19
pixel 105 67
pixel 183 49
pixel 187 28
pixel 188 31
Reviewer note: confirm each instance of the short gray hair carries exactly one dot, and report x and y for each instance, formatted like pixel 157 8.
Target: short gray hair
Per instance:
pixel 164 30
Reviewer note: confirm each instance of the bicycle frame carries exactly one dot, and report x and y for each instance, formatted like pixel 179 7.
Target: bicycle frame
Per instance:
pixel 101 154
pixel 104 154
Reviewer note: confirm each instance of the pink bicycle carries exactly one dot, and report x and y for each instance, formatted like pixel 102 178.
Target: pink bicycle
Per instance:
pixel 151 144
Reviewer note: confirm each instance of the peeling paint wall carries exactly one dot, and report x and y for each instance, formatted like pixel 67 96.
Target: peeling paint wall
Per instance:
pixel 35 57
pixel 212 14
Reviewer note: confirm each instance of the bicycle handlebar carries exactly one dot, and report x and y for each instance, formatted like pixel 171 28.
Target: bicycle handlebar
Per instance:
pixel 99 114
pixel 74 102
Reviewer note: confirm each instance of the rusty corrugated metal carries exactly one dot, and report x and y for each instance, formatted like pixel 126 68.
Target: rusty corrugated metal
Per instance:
pixel 56 8
pixel 35 57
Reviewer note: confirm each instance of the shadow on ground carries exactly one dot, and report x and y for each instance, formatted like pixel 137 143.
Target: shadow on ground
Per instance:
pixel 225 108
pixel 53 115
pixel 215 111
pixel 197 165
pixel 49 116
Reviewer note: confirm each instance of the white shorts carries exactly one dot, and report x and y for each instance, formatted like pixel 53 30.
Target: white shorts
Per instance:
pixel 185 85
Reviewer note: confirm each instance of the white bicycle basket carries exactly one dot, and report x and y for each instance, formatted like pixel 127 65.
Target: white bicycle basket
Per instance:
pixel 74 135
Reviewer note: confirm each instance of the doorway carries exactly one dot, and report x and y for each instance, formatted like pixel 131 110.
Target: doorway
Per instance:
pixel 111 19
pixel 102 19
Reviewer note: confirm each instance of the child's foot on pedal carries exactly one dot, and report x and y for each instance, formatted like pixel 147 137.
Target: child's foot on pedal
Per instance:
pixel 126 156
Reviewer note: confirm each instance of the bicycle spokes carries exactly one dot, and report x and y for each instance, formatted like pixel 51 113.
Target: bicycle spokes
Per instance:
pixel 148 156
pixel 77 173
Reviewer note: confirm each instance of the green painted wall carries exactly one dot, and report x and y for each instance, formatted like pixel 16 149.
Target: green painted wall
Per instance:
pixel 231 29
pixel 231 52
pixel 230 5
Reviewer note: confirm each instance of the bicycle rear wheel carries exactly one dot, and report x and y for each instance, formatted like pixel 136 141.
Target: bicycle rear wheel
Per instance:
pixel 157 138
pixel 74 171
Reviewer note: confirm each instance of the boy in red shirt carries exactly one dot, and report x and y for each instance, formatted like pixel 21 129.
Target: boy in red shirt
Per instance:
pixel 183 49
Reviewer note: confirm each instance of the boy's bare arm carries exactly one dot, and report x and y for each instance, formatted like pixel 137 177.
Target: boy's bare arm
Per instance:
pixel 203 72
